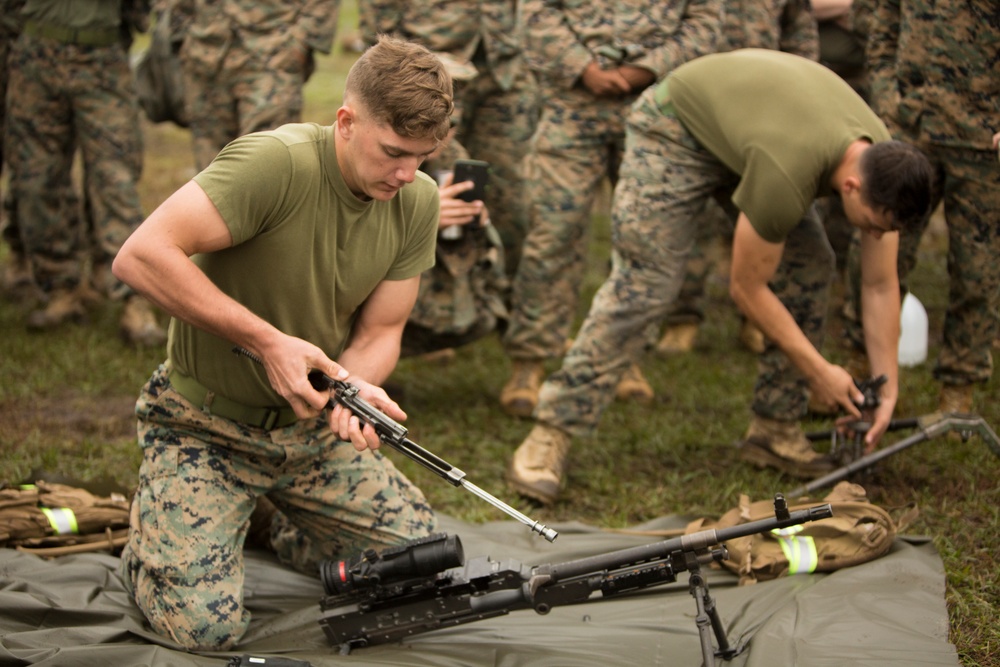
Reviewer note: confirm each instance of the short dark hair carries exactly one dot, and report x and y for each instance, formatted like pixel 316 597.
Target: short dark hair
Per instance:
pixel 897 177
pixel 405 86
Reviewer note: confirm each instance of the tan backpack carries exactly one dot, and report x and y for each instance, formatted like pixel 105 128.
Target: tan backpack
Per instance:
pixel 50 519
pixel 857 532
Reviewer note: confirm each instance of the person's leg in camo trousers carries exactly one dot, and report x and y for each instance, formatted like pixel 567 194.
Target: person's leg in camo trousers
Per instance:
pixel 578 142
pixel 665 179
pixel 199 483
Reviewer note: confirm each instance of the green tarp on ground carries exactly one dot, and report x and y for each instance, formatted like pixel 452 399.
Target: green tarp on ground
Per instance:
pixel 73 612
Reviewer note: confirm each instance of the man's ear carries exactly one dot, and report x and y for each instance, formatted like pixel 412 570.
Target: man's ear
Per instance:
pixel 851 185
pixel 346 118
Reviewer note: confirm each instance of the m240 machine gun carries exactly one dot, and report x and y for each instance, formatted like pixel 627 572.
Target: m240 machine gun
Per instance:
pixel 427 585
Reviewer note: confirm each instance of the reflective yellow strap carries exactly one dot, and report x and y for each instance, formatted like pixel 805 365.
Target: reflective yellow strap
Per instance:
pixel 61 519
pixel 800 551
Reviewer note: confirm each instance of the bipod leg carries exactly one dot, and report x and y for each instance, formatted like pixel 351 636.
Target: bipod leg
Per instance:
pixel 707 618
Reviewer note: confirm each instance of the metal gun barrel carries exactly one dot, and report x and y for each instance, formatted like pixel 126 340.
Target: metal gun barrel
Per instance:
pixel 543 530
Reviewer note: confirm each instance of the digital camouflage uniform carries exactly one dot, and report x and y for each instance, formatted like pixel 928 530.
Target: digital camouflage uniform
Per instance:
pixel 496 98
pixel 935 80
pixel 245 64
pixel 71 88
pixel 9 29
pixel 783 25
pixel 350 500
pixel 666 177
pixel 580 140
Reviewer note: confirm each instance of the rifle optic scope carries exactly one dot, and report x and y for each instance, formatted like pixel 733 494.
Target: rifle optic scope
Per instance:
pixel 419 558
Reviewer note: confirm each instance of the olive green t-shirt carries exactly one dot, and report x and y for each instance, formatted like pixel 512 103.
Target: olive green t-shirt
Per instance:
pixel 306 252
pixel 782 123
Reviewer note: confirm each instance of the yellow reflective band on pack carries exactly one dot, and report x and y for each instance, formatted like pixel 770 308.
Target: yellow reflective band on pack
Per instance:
pixel 800 551
pixel 61 519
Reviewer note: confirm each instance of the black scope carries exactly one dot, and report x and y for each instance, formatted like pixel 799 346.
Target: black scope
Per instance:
pixel 419 558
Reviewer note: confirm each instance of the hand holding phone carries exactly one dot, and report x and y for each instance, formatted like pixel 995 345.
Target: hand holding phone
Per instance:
pixel 476 171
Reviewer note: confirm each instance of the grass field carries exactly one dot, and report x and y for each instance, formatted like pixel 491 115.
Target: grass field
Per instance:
pixel 66 398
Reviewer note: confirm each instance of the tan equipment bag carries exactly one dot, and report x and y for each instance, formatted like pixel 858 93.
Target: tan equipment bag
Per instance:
pixel 50 519
pixel 857 532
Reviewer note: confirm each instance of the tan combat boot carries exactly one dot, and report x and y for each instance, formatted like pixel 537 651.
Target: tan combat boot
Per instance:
pixel 634 387
pixel 751 337
pixel 537 467
pixel 519 396
pixel 138 323
pixel 782 445
pixel 63 306
pixel 19 279
pixel 678 338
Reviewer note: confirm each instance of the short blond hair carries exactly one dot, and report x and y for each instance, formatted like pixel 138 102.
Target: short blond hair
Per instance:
pixel 405 86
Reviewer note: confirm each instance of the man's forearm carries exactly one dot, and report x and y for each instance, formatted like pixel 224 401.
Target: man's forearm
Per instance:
pixel 372 359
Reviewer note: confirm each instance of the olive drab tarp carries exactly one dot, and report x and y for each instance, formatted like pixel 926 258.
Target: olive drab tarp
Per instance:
pixel 888 612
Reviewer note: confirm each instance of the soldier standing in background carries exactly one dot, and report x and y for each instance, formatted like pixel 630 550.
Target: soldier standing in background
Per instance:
pixel 17 278
pixel 935 81
pixel 782 25
pixel 773 154
pixel 71 88
pixel 592 61
pixel 245 64
pixel 496 97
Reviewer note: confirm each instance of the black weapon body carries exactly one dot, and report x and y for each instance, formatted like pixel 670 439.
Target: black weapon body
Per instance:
pixel 375 601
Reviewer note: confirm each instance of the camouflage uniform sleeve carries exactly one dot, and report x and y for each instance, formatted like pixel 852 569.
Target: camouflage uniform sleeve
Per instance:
pixel 799 34
pixel 697 34
pixel 550 45
pixel 883 41
pixel 317 24
pixel 378 17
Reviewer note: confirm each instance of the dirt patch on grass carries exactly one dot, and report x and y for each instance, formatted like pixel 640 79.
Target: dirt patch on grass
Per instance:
pixel 69 416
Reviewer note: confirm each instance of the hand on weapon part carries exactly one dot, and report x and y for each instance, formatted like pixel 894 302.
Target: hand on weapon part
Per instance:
pixel 286 366
pixel 834 386
pixel 853 427
pixel 358 428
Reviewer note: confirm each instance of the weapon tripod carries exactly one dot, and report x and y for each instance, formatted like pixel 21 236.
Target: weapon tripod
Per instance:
pixel 849 451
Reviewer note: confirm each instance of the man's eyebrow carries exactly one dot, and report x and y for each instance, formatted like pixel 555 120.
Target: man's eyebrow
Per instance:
pixel 401 152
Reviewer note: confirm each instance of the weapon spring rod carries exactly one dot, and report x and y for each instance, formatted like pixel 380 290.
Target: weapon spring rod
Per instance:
pixel 539 528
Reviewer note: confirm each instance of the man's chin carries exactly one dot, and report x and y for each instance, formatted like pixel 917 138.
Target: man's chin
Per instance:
pixel 383 192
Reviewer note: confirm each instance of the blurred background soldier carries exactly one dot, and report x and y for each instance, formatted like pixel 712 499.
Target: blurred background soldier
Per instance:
pixel 783 25
pixel 935 81
pixel 496 98
pixel 592 60
pixel 245 63
pixel 70 88
pixel 16 272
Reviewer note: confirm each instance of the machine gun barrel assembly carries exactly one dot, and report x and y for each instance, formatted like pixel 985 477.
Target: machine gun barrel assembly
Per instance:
pixel 394 434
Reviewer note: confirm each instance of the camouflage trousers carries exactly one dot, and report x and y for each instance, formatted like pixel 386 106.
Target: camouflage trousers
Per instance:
pixel 198 484
pixel 578 143
pixel 968 184
pixel 496 125
pixel 64 97
pixel 666 177
pixel 243 93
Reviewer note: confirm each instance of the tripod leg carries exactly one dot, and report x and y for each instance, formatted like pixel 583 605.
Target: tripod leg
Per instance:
pixel 708 622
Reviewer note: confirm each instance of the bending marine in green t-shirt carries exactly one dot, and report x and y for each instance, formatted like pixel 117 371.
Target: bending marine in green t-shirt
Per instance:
pixel 303 245
pixel 770 131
